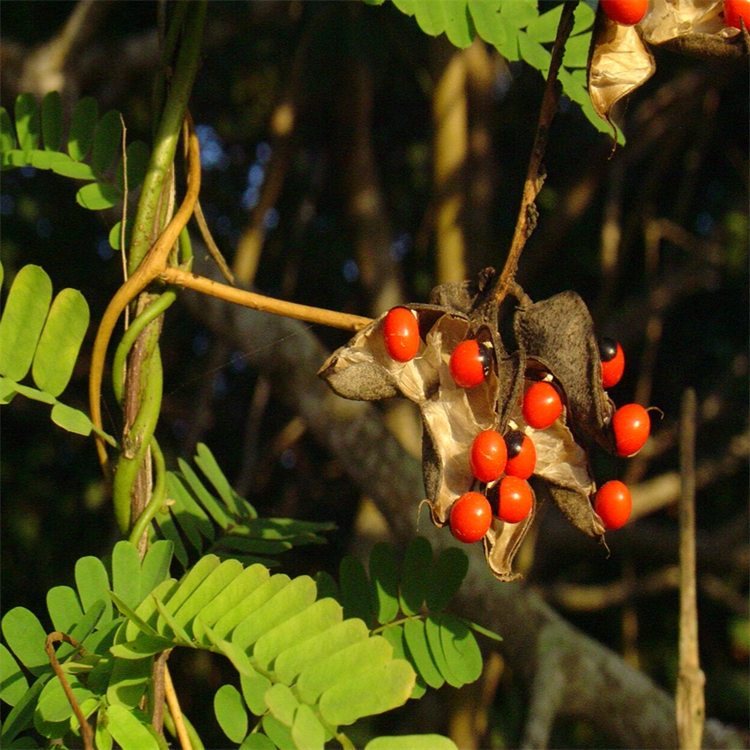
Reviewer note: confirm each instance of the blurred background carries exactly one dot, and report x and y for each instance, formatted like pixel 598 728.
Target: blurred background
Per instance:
pixel 352 162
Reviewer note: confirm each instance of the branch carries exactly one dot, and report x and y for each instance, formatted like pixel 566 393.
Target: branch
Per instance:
pixel 596 682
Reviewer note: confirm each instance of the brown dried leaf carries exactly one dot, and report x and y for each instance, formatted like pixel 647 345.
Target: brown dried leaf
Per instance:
pixel 618 64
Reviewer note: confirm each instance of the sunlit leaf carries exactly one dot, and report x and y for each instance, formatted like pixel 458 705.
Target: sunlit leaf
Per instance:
pixel 14 683
pixel 230 713
pixel 129 680
pixel 126 573
pixel 307 732
pixel 420 654
pixel 97 196
pixel 127 731
pixel 254 687
pixel 412 742
pixel 64 608
pixel 25 637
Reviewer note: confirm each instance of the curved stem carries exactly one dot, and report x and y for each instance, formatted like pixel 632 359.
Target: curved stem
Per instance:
pixel 153 311
pixel 158 494
pixel 153 265
pixel 307 313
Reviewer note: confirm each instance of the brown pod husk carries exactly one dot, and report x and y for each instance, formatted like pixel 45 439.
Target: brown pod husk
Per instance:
pixel 503 540
pixel 558 334
pixel 619 63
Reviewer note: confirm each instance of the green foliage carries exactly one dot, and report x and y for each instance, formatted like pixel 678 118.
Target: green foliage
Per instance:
pixel 37 141
pixel 305 670
pixel 44 336
pixel 518 31
pixel 215 519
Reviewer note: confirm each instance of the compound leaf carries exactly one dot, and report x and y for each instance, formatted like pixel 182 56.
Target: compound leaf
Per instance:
pixel 292 661
pixel 23 320
pixel 129 680
pixel 92 582
pixel 64 608
pixel 27 123
pixel 420 655
pixel 257 741
pixel 282 703
pixel 254 687
pixel 307 732
pixel 82 127
pixel 230 713
pixel 446 578
pixel 432 631
pixel 96 196
pixel 63 165
pixel 14 684
pixel 107 142
pixel 395 636
pixel 126 573
pixel 278 733
pixel 256 599
pixel 384 579
pixel 356 593
pixel 415 575
pixel 412 742
pixel 60 342
pixel 155 567
pixel 128 731
pixel 543 28
pixel 318 618
pixel 70 419
pixel 52 121
pixel 379 689
pixel 206 462
pixel 25 637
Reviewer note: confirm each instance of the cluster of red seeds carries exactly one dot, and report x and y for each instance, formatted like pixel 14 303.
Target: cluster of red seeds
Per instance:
pixel 505 462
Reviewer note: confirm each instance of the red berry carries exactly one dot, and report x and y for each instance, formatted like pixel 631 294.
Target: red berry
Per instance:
pixel 541 405
pixel 470 363
pixel 734 10
pixel 488 456
pixel 471 516
pixel 632 426
pixel 401 334
pixel 613 362
pixel 515 499
pixel 613 504
pixel 625 12
pixel 521 455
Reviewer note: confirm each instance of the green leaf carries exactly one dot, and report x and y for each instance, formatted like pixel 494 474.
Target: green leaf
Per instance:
pixel 102 737
pixel 144 645
pixel 129 680
pixel 155 567
pixel 449 16
pixel 460 649
pixel 97 196
pixel 92 582
pixel 35 394
pixel 321 675
pixel 583 18
pixel 384 579
pixel 282 703
pixel 191 581
pixel 395 636
pixel 533 52
pixel 42 159
pixel 420 655
pixel 356 593
pixel 488 633
pixel 25 637
pixel 279 734
pixel 254 687
pixel 239 588
pixel 83 632
pixel 137 157
pixel 54 706
pixel 132 616
pixel 519 12
pixel 432 630
pixel 82 127
pixel 126 573
pixel 577 51
pixel 487 21
pixel 63 165
pixel 13 684
pixel 292 661
pixel 230 713
pixel 327 586
pixel 60 341
pixel 543 28
pixel 415 575
pixel 127 731
pixel 107 142
pixel 206 462
pixel 207 591
pixel 22 714
pixel 114 236
pixel 232 651
pixel 257 741
pixel 412 742
pixel 192 519
pixel 205 498
pixel 289 601
pixel 446 578
pixel 307 732
pixel 64 608
pixel 317 618
pixel 379 689
pixel 168 622
pixel 52 121
pixel 7 134
pixel 228 622
pixel 27 122
pixel 22 321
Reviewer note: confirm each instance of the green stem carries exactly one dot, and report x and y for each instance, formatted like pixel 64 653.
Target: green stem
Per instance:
pixel 141 432
pixel 167 136
pixel 345 742
pixel 158 494
pixel 394 623
pixel 153 311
